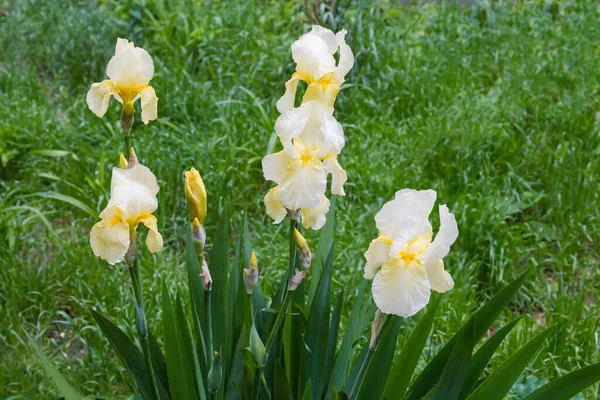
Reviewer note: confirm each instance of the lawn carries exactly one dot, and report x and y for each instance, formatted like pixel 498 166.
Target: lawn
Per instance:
pixel 493 106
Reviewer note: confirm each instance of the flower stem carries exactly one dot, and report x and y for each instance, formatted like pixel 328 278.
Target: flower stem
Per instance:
pixel 127 141
pixel 279 320
pixel 208 316
pixel 141 324
pixel 257 381
pixel 293 250
pixel 361 374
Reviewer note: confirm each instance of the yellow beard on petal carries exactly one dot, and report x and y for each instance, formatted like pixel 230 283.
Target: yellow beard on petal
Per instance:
pixel 412 251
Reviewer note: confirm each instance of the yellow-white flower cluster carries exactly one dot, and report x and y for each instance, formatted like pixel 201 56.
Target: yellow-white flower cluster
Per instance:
pixel 311 137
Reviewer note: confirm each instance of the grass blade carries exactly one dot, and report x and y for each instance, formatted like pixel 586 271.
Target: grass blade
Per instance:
pixel 450 384
pixel 501 380
pixel 406 362
pixel 181 379
pixel 64 388
pixel 482 357
pixel 332 341
pixel 340 368
pixel 373 384
pixel 129 354
pixel 317 335
pixel 569 385
pixel 325 243
pixel 484 318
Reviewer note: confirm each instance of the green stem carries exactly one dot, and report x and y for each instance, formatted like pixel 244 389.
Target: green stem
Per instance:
pixel 141 324
pixel 279 320
pixel 208 316
pixel 361 374
pixel 293 250
pixel 127 141
pixel 257 381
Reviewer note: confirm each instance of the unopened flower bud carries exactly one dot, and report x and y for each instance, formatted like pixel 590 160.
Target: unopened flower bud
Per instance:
pixel 251 274
pixel 303 249
pixel 198 236
pixel 205 274
pixel 257 348
pixel 122 161
pixel 297 279
pixel 215 374
pixel 133 160
pixel 127 116
pixel 378 321
pixel 195 194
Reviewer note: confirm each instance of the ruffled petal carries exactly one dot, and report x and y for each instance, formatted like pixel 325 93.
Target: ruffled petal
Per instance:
pixel 401 290
pixel 446 236
pixel 123 45
pixel 314 218
pixel 313 53
pixel 439 279
pixel 98 97
pixel 154 240
pixel 275 166
pixel 302 186
pixel 338 175
pixel 376 255
pixel 346 61
pixel 406 216
pixel 134 191
pixel 149 104
pixel 292 123
pixel 332 133
pixel 131 67
pixel 286 102
pixel 275 208
pixel 110 241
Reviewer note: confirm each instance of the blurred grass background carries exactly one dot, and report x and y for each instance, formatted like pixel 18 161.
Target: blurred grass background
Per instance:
pixel 494 105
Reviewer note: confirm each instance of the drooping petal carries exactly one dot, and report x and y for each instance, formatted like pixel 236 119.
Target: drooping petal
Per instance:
pixel 154 240
pixel 338 175
pixel 314 218
pixel 346 61
pixel 439 279
pixel 313 53
pixel 275 166
pixel 134 191
pixel 302 186
pixel 131 67
pixel 401 290
pixel 286 102
pixel 110 242
pixel 446 236
pixel 149 104
pixel 376 255
pixel 275 208
pixel 406 216
pixel 98 97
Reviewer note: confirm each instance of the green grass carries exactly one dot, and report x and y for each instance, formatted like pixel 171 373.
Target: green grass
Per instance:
pixel 493 107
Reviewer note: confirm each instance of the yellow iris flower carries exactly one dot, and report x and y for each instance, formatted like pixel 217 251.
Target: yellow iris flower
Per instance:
pixel 315 64
pixel 403 262
pixel 133 200
pixel 129 71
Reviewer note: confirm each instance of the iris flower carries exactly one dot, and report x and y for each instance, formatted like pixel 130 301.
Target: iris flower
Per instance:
pixel 410 264
pixel 129 71
pixel 133 200
pixel 314 53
